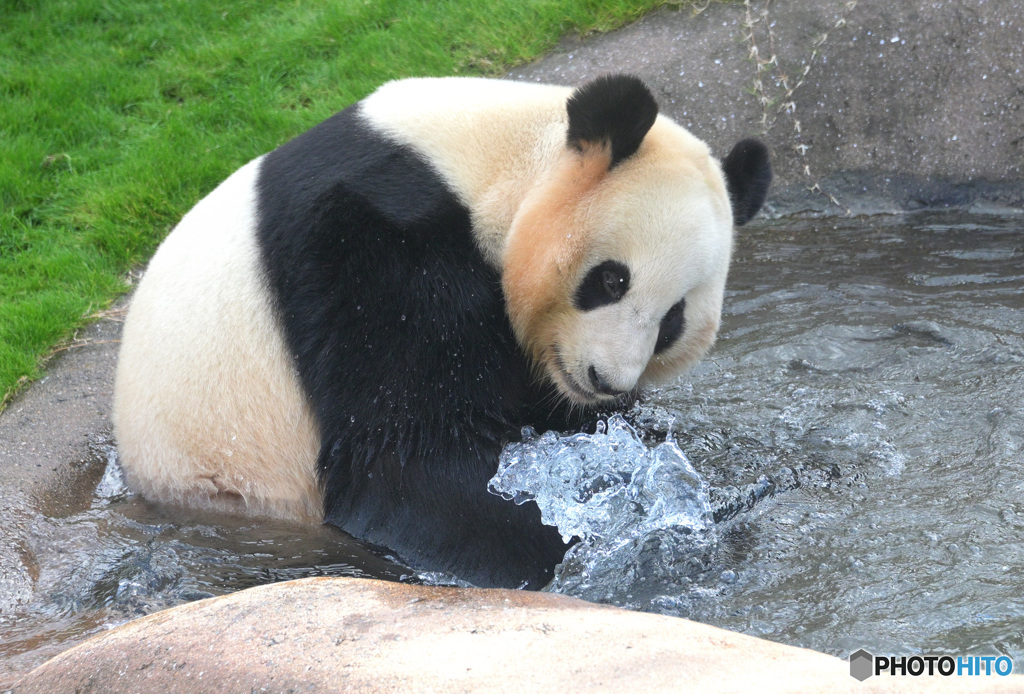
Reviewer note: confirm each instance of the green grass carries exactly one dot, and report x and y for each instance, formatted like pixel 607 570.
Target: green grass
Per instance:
pixel 116 116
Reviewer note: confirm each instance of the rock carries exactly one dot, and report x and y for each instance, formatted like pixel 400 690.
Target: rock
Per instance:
pixel 868 105
pixel 339 634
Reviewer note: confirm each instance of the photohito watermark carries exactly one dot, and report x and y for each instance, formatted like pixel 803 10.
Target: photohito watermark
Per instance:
pixel 864 665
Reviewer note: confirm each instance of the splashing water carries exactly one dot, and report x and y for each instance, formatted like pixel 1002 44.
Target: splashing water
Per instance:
pixel 642 515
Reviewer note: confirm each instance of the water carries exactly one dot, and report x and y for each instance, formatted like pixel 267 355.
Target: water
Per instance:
pixel 860 426
pixel 845 470
pixel 124 558
pixel 642 514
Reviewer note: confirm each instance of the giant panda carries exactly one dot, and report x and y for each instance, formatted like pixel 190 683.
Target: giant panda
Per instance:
pixel 349 328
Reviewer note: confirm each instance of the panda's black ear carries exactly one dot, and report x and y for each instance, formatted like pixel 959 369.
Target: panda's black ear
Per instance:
pixel 748 173
pixel 616 110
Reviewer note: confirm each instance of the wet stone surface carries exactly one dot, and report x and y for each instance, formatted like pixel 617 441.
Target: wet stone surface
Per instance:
pixel 867 105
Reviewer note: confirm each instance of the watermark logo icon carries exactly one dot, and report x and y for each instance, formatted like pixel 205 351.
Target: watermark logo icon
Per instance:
pixel 861 665
pixel 864 665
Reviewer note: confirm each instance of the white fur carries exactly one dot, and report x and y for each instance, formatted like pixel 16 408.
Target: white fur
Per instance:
pixel 663 212
pixel 207 409
pixel 672 227
pixel 489 140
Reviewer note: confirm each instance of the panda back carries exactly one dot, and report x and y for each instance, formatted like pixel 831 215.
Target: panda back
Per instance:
pixel 207 409
pixel 396 323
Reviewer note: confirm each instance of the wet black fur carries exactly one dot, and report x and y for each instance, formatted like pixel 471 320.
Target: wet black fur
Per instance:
pixel 400 339
pixel 748 174
pixel 594 292
pixel 617 109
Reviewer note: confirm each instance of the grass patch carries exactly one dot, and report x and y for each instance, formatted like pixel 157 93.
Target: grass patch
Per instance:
pixel 116 116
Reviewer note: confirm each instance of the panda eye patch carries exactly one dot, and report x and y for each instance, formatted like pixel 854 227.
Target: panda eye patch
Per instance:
pixel 672 325
pixel 604 284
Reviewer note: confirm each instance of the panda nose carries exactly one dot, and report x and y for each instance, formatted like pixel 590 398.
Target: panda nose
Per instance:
pixel 600 385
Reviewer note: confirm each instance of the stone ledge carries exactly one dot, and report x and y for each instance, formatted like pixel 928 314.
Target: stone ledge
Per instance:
pixel 361 635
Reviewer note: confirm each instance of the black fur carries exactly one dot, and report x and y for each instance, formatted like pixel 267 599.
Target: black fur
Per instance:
pixel 605 284
pixel 672 324
pixel 618 109
pixel 400 339
pixel 748 173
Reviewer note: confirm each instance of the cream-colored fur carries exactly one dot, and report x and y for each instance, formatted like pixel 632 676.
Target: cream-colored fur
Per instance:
pixel 544 214
pixel 489 139
pixel 207 409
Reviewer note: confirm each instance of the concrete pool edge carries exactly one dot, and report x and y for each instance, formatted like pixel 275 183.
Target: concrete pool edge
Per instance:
pixel 867 106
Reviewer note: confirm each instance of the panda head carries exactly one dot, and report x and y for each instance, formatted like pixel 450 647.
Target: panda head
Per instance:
pixel 614 268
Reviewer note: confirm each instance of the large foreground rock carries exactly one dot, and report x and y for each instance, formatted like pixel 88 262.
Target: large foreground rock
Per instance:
pixel 335 634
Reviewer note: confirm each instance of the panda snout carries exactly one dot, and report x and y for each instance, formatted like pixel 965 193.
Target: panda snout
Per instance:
pixel 601 385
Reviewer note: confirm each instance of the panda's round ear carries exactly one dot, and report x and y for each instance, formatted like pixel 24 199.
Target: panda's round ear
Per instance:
pixel 748 173
pixel 614 111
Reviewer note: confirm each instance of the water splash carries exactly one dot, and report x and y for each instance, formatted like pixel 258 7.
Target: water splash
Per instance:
pixel 642 516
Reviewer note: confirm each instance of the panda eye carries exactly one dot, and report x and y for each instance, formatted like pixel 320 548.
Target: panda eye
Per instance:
pixel 672 325
pixel 604 284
